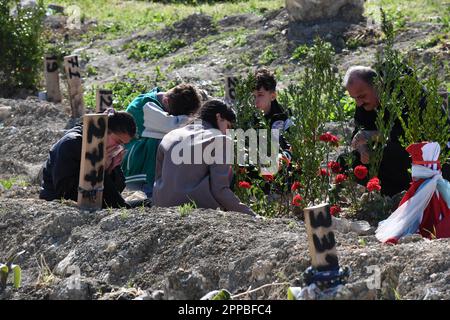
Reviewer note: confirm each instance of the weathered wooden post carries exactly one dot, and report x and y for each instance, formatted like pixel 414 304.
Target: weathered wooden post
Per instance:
pixel 92 166
pixel 104 100
pixel 72 70
pixel 51 73
pixel 324 270
pixel 230 89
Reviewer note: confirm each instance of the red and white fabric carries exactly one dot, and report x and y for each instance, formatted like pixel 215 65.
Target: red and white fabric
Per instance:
pixel 424 208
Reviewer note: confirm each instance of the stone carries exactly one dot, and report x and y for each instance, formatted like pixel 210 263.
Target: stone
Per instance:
pixel 62 266
pixel 73 289
pixel 314 10
pixel 5 112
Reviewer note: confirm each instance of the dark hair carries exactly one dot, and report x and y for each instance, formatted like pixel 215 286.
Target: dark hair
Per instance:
pixel 210 108
pixel 183 100
pixel 265 79
pixel 122 122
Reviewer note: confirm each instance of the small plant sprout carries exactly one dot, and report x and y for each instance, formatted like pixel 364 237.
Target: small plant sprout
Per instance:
pixel 9 267
pixel 187 208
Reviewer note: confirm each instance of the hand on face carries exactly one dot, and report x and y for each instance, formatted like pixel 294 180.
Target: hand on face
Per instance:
pixel 115 150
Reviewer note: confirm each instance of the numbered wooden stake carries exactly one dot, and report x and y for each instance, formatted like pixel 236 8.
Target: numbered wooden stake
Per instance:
pixel 72 70
pixel 230 89
pixel 104 100
pixel 51 73
pixel 92 166
pixel 321 241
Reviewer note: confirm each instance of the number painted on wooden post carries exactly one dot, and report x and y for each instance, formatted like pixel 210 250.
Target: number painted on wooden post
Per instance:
pixel 93 157
pixel 321 239
pixel 230 89
pixel 104 100
pixel 51 74
pixel 72 70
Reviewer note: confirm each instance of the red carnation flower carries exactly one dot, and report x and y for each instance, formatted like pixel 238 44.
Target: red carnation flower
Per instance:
pixel 268 177
pixel 373 184
pixel 328 137
pixel 334 166
pixel 296 201
pixel 360 172
pixel 295 186
pixel 323 172
pixel 244 185
pixel 334 210
pixel 340 178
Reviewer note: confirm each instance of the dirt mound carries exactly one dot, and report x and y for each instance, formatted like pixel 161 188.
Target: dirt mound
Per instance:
pixel 27 135
pixel 154 250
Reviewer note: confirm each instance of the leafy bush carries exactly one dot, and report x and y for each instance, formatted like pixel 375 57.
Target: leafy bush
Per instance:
pixel 21 52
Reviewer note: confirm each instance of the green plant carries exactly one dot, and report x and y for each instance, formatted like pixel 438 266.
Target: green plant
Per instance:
pixel 268 55
pixel 187 208
pixel 124 214
pixel 9 183
pixel 180 61
pixel 153 50
pixel 7 268
pixel 300 52
pixel 390 68
pixel 397 295
pixel 353 43
pixel 311 101
pixel 124 91
pixel 22 46
pixel 426 120
pixel 91 71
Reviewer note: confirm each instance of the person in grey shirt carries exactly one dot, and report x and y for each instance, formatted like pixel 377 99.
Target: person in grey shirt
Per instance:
pixel 193 163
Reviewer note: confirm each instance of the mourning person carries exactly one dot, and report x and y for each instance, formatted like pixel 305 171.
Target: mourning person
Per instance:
pixel 62 169
pixel 393 172
pixel 193 163
pixel 156 113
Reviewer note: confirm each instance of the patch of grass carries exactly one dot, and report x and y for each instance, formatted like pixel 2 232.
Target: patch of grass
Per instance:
pixel 124 91
pixel 300 52
pixel 405 10
pixel 11 182
pixel 153 50
pixel 246 59
pixel 268 55
pixel 116 17
pixel 433 41
pixel 187 208
pixel 353 43
pixel 180 61
pixel 91 71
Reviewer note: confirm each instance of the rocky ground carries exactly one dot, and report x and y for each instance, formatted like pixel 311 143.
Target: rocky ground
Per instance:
pixel 155 253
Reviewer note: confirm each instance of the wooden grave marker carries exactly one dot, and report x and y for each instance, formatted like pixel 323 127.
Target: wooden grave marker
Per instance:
pixel 51 74
pixel 230 89
pixel 104 100
pixel 72 70
pixel 321 240
pixel 93 157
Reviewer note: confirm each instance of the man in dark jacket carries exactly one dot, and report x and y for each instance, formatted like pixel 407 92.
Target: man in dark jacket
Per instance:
pixel 393 172
pixel 62 168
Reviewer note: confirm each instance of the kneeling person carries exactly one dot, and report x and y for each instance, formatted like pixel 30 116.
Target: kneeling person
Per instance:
pixel 62 168
pixel 185 172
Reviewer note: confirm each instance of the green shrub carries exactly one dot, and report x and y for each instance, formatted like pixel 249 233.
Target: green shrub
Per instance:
pixel 21 41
